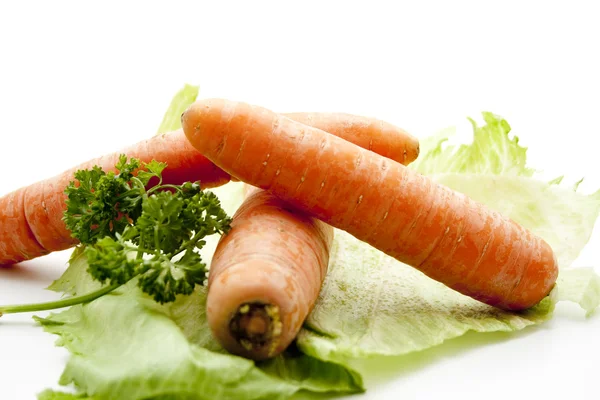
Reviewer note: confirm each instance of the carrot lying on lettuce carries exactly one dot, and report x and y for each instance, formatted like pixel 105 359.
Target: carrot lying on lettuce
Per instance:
pixel 445 234
pixel 31 218
pixel 265 276
pixel 266 273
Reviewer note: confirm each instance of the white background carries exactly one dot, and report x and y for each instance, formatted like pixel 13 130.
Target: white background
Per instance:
pixel 78 80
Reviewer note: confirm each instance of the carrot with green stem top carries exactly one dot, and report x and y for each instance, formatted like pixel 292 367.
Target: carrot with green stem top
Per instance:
pixel 443 233
pixel 31 218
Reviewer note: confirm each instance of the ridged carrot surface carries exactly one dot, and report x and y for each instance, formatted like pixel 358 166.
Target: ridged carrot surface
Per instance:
pixel 372 134
pixel 443 233
pixel 38 208
pixel 265 276
pixel 41 205
pixel 267 272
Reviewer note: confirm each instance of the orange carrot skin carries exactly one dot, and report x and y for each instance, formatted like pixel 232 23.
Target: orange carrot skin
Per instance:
pixel 443 233
pixel 272 255
pixel 42 204
pixel 17 242
pixel 372 134
pixel 45 200
pixel 278 256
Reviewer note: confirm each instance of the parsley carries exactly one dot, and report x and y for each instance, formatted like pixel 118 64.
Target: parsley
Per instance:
pixel 134 229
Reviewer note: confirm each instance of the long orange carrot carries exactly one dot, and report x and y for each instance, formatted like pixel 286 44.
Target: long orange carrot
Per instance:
pixel 31 218
pixel 37 209
pixel 267 272
pixel 443 233
pixel 372 134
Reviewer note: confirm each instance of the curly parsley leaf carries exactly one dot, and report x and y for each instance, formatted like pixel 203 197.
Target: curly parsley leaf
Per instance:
pixel 132 229
pixel 99 203
pixel 154 233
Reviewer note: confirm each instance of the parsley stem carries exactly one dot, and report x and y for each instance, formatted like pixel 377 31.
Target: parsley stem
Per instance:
pixel 165 186
pixel 140 184
pixel 192 242
pixel 156 238
pixel 134 191
pixel 51 305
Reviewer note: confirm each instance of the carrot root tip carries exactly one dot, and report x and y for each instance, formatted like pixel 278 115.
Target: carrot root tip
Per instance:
pixel 256 326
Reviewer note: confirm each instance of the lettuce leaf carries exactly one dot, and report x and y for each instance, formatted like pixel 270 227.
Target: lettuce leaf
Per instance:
pixel 492 151
pixel 126 346
pixel 180 102
pixel 56 395
pixel 121 349
pixel 581 286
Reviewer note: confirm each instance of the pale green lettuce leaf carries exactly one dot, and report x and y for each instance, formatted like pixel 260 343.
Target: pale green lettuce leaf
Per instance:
pixel 492 151
pixel 180 102
pixel 119 350
pixel 55 395
pixel 581 286
pixel 126 346
pixel 75 280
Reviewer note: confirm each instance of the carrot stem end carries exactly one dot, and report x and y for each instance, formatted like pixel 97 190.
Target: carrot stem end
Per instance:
pixel 256 326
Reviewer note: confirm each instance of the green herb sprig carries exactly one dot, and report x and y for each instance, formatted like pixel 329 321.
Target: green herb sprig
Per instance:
pixel 133 228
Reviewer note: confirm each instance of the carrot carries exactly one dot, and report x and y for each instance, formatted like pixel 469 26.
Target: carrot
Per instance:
pixel 265 276
pixel 37 209
pixel 443 233
pixel 372 134
pixel 267 272
pixel 17 240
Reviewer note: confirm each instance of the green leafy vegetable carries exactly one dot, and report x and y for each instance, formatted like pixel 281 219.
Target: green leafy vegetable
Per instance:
pixel 102 204
pixel 131 230
pixel 172 118
pixel 126 346
pixel 54 395
pixel 491 152
pixel 581 286
pixel 151 233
